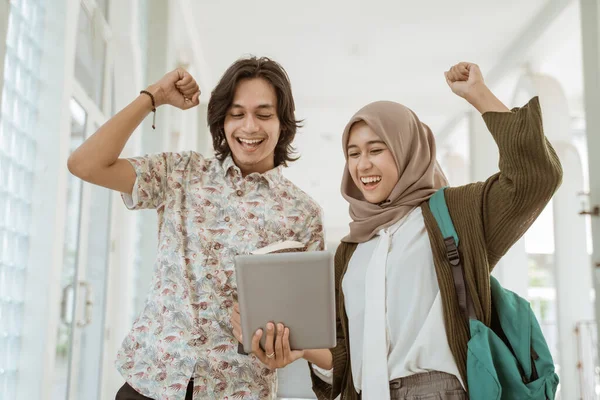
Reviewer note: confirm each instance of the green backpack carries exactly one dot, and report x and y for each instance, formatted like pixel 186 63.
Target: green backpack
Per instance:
pixel 510 359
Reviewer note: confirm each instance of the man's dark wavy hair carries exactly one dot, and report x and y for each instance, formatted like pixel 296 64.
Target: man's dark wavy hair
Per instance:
pixel 222 98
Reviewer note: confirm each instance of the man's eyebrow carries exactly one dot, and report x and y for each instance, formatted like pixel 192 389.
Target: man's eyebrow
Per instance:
pixel 261 106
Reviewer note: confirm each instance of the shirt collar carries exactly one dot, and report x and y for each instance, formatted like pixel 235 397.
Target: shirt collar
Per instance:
pixel 391 230
pixel 273 176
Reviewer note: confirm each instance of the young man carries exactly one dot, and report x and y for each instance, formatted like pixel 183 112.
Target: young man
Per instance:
pixel 210 210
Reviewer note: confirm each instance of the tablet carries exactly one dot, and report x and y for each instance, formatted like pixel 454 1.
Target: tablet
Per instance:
pixel 296 289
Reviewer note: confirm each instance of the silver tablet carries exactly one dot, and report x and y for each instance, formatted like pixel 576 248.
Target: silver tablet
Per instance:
pixel 296 289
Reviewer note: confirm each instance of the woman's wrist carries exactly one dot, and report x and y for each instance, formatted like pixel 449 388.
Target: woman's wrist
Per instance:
pixel 482 98
pixel 320 357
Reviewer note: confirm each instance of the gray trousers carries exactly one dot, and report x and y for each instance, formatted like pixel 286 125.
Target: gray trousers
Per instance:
pixel 432 385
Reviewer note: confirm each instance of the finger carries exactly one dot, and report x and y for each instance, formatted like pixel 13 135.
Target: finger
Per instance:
pixel 236 314
pixel 453 74
pixel 457 74
pixel 236 318
pixel 450 75
pixel 279 356
pixel 196 98
pixel 189 103
pixel 256 350
pixel 189 93
pixel 458 71
pixel 236 307
pixel 237 334
pixel 185 80
pixel 237 330
pixel 286 345
pixel 270 339
pixel 181 73
pixel 188 86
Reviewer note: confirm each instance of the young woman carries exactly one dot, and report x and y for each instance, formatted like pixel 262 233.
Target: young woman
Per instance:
pixel 401 333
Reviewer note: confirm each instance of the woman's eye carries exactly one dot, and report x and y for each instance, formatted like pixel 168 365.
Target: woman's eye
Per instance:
pixel 237 115
pixel 376 151
pixel 263 116
pixel 353 155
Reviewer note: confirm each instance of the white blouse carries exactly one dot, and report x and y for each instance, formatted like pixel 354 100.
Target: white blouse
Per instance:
pixel 392 276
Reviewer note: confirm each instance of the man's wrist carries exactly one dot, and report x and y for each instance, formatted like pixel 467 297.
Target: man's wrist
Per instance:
pixel 158 94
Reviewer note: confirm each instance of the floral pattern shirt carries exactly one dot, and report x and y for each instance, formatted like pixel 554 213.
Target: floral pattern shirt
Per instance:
pixel 207 214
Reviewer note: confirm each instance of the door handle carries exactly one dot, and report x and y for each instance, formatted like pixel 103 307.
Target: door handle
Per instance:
pixel 88 305
pixel 64 303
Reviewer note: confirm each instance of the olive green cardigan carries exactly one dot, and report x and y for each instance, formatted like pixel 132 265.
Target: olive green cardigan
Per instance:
pixel 489 218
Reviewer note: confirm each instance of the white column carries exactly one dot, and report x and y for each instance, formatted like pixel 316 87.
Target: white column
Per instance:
pixel 571 260
pixel 204 144
pixel 511 271
pixel 158 64
pixel 119 306
pixel 590 32
pixel 572 271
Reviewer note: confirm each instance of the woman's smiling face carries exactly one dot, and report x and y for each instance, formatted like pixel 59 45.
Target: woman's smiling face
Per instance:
pixel 371 163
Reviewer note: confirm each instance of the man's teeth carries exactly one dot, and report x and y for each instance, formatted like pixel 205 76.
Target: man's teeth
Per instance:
pixel 370 179
pixel 255 141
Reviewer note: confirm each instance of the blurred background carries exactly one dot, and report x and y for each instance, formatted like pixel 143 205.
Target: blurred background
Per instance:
pixel 75 265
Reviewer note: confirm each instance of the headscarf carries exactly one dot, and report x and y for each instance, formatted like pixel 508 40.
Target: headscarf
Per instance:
pixel 413 146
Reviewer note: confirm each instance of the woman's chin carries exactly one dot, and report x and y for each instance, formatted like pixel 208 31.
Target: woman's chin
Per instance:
pixel 373 197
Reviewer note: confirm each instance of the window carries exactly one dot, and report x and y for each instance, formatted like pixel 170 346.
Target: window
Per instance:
pixel 90 53
pixel 17 156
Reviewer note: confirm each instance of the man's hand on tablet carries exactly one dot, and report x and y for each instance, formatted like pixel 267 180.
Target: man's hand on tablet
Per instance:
pixel 277 353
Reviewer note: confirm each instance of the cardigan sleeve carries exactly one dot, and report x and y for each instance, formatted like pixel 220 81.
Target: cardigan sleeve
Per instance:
pixel 530 173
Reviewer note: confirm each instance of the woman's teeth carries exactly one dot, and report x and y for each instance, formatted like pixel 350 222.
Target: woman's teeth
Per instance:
pixel 370 179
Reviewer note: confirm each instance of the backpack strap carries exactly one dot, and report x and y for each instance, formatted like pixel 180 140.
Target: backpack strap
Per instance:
pixel 439 209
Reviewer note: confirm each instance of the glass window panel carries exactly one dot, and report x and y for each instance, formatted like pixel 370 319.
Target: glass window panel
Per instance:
pixel 70 254
pixel 17 161
pixel 103 5
pixel 90 56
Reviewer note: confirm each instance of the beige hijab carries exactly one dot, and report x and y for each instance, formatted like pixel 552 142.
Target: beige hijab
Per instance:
pixel 413 147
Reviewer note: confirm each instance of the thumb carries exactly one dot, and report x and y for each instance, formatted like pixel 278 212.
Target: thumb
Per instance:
pixel 196 101
pixel 297 354
pixel 191 103
pixel 475 72
pixel 447 79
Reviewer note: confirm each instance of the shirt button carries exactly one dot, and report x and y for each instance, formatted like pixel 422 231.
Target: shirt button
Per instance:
pixel 208 276
pixel 227 219
pixel 217 246
pixel 239 193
